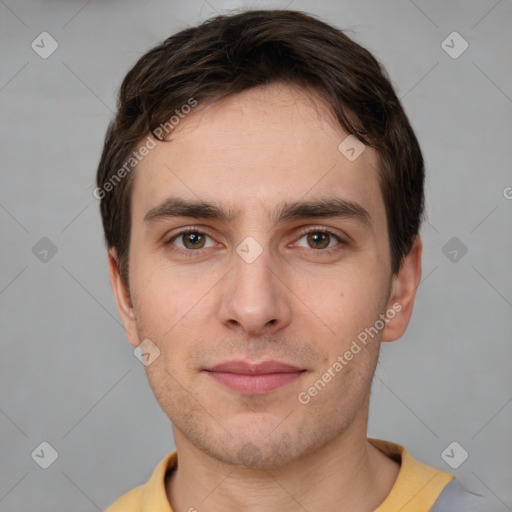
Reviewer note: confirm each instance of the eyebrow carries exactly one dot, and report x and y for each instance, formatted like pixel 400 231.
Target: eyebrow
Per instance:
pixel 295 210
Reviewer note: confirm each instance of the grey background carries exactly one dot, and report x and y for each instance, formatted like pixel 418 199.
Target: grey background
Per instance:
pixel 69 377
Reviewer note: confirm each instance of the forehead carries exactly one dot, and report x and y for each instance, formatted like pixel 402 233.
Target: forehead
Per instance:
pixel 254 150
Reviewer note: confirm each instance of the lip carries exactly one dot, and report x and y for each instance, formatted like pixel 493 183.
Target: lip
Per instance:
pixel 250 378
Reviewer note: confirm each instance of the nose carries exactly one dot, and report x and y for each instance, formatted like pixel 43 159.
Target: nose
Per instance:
pixel 254 298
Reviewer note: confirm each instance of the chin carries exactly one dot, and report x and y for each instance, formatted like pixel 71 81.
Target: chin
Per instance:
pixel 254 455
pixel 261 451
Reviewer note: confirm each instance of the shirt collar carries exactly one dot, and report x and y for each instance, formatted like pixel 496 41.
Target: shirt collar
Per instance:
pixel 417 487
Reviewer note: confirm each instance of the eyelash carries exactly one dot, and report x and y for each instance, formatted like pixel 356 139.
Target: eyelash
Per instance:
pixel 179 250
pixel 319 252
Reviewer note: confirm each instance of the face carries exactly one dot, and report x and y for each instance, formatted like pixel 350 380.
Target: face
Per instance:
pixel 258 254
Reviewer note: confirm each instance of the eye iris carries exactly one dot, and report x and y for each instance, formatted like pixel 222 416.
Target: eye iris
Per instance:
pixel 193 240
pixel 318 240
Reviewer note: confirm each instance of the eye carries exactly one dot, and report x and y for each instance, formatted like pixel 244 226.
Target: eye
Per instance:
pixel 191 239
pixel 319 239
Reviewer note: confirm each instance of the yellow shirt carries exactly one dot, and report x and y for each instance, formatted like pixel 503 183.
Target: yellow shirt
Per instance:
pixel 416 489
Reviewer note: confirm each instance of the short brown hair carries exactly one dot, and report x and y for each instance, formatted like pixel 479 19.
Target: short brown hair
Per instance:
pixel 228 54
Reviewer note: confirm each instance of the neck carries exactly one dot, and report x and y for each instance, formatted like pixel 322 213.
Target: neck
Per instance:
pixel 349 474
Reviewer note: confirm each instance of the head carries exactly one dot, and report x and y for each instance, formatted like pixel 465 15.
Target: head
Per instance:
pixel 261 195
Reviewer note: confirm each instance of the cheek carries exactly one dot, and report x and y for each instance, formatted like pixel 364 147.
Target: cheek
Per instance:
pixel 163 297
pixel 173 392
pixel 344 395
pixel 346 301
pixel 170 311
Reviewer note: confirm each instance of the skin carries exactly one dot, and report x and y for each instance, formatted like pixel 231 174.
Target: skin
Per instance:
pixel 295 303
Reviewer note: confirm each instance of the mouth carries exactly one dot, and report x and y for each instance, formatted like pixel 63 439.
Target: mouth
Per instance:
pixel 249 378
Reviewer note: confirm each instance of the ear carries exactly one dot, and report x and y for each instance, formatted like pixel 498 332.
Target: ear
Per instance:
pixel 403 292
pixel 123 299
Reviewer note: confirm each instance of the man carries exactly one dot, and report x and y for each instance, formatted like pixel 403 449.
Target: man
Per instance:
pixel 261 193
